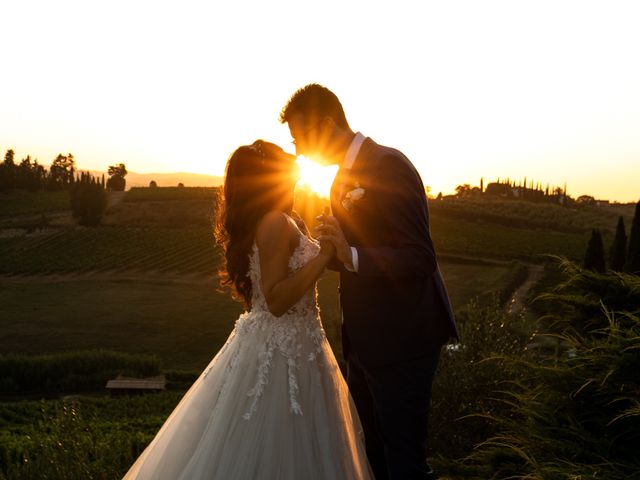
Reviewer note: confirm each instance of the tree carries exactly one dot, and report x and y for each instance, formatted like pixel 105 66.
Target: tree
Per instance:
pixel 8 172
pixel 153 184
pixel 88 200
pixel 116 177
pixel 619 247
pixel 463 190
pixel 9 157
pixel 633 255
pixel 62 172
pixel 594 257
pixel 586 200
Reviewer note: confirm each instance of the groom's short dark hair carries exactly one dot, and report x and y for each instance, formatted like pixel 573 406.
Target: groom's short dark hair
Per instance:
pixel 314 100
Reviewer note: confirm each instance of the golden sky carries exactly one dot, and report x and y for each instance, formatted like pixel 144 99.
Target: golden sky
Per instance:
pixel 542 89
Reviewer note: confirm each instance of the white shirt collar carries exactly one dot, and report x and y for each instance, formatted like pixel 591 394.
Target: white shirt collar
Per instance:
pixel 354 149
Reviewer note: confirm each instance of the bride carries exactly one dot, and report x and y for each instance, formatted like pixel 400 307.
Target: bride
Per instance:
pixel 272 403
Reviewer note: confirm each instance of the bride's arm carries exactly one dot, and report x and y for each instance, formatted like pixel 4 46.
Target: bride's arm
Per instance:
pixel 274 238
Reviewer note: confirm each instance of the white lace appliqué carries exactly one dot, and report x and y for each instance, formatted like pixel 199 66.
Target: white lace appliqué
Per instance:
pixel 296 334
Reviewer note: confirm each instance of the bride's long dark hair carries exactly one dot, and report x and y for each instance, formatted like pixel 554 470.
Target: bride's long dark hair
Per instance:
pixel 258 178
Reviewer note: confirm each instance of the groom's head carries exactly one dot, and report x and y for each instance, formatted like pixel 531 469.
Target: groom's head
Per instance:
pixel 317 123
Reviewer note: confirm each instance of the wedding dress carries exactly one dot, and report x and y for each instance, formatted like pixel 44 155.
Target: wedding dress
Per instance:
pixel 272 404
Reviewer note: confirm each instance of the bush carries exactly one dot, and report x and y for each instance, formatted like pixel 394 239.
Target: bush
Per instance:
pixel 70 372
pixel 471 376
pixel 116 183
pixel 96 438
pixel 575 414
pixel 88 202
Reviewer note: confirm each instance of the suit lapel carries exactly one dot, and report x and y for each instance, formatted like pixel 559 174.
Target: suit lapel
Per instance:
pixel 360 160
pixel 338 189
pixel 346 177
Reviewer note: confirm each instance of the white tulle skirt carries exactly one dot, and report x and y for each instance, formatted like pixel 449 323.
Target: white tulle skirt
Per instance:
pixel 272 404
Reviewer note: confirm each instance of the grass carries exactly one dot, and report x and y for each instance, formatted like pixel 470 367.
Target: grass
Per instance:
pixel 20 202
pixel 164 214
pixel 524 214
pixel 483 240
pixel 192 249
pixel 87 437
pixel 184 322
pixel 73 371
pixel 466 281
pixel 108 248
pixel 145 194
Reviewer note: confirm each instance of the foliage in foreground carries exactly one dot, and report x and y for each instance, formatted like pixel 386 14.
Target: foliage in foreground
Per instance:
pixel 88 438
pixel 470 375
pixel 575 414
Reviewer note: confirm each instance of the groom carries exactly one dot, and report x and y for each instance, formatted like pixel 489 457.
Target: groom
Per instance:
pixel 396 310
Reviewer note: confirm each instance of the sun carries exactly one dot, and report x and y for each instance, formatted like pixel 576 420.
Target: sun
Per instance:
pixel 315 176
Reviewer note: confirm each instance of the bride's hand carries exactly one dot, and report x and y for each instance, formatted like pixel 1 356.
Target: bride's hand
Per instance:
pixel 330 231
pixel 327 248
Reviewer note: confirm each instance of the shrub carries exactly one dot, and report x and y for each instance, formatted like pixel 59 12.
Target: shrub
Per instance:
pixel 96 438
pixel 618 253
pixel 116 183
pixel 594 256
pixel 70 372
pixel 467 384
pixel 88 202
pixel 575 414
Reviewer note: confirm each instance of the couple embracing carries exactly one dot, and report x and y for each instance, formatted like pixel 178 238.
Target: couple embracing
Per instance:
pixel 273 404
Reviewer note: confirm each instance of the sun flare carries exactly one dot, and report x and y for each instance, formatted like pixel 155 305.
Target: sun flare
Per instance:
pixel 315 176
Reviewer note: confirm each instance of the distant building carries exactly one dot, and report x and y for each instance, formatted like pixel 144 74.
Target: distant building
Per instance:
pixel 499 189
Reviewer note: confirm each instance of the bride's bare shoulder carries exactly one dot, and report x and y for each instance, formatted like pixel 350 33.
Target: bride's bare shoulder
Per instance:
pixel 275 227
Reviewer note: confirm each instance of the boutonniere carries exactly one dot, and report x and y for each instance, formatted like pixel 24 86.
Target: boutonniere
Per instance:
pixel 353 197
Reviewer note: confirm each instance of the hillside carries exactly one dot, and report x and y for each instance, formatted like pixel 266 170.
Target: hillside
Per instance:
pixel 172 179
pixel 143 286
pixel 168 179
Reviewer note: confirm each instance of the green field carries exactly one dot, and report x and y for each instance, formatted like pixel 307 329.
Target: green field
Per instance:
pixel 192 249
pixel 144 194
pixel 182 320
pixel 110 248
pixel 145 281
pixel 523 214
pixel 31 203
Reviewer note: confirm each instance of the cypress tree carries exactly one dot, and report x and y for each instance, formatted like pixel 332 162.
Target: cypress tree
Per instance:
pixel 594 257
pixel 619 247
pixel 633 256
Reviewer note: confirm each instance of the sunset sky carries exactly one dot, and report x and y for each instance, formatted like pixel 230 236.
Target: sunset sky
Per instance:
pixel 547 90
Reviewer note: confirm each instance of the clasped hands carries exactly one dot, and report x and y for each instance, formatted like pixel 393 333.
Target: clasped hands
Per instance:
pixel 332 239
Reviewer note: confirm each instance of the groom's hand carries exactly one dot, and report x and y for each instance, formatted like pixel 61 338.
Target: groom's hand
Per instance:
pixel 329 229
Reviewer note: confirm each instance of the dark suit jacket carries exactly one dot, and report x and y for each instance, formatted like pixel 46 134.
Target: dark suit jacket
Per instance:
pixel 396 307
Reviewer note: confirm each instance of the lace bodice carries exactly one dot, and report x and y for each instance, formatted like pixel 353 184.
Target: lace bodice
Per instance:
pixel 297 335
pixel 305 251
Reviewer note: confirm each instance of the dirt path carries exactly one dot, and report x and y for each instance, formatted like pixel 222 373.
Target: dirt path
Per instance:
pixel 114 198
pixel 518 300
